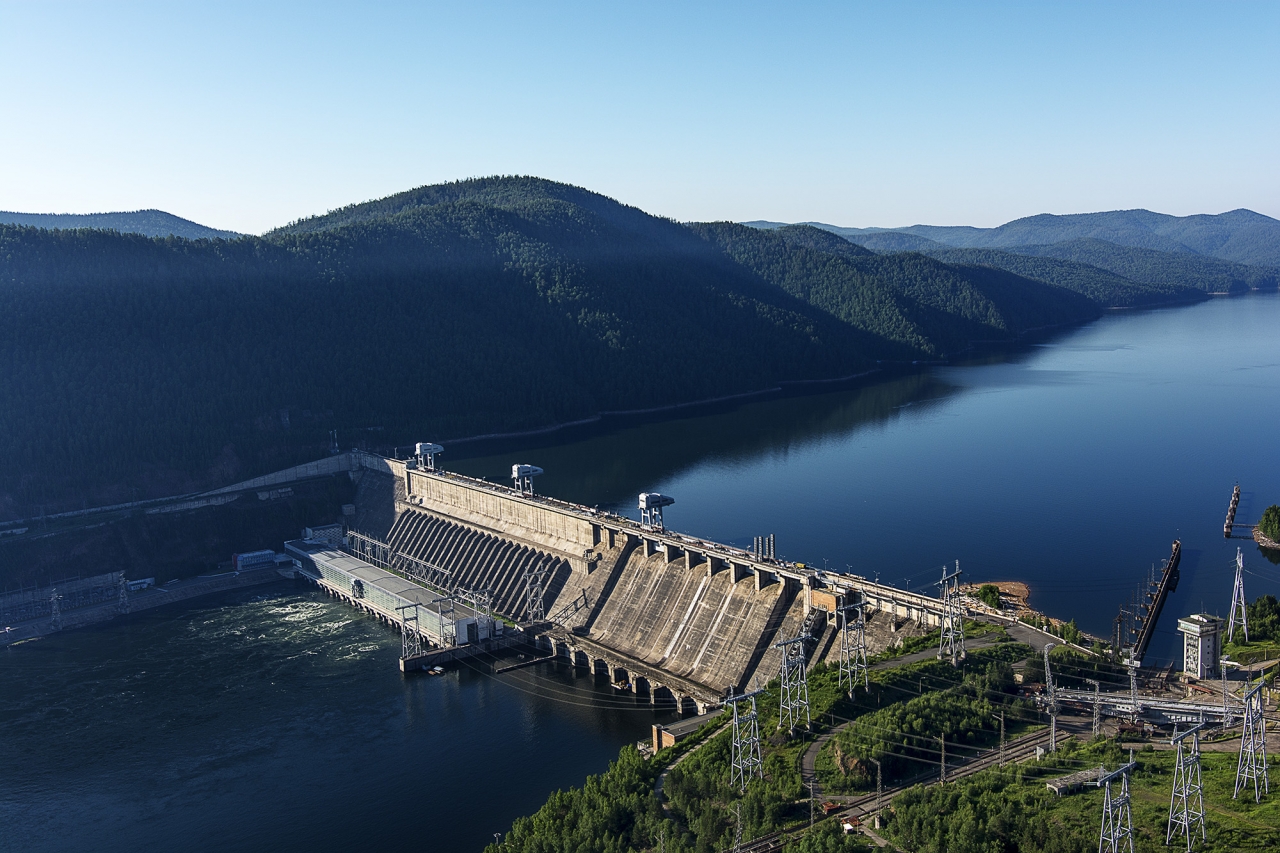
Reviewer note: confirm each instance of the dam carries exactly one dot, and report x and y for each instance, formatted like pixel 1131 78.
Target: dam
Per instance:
pixel 677 618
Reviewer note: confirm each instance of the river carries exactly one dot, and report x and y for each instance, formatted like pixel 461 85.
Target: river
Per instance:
pixel 275 719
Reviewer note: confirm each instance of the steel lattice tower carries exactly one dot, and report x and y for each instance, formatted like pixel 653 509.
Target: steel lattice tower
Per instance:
pixel 1186 805
pixel 122 590
pixel 534 588
pixel 853 647
pixel 55 610
pixel 1239 612
pixel 1117 819
pixel 1252 765
pixel 795 684
pixel 1097 706
pixel 951 643
pixel 448 626
pixel 1051 700
pixel 1132 666
pixel 410 638
pixel 745 753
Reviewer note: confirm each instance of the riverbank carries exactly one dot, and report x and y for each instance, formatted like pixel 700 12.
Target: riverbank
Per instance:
pixel 171 593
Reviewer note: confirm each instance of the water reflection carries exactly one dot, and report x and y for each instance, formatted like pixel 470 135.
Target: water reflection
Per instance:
pixel 611 464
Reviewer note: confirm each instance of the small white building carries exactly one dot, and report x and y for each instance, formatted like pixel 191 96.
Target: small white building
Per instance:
pixel 1201 645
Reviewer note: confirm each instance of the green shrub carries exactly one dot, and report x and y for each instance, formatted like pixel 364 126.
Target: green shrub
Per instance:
pixel 1270 523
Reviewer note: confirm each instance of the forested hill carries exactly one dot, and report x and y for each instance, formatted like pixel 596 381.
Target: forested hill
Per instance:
pixel 149 223
pixel 164 364
pixel 1240 236
pixel 934 307
pixel 142 366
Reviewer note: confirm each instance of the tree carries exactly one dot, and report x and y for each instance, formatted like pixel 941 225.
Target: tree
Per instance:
pixel 989 594
pixel 1270 523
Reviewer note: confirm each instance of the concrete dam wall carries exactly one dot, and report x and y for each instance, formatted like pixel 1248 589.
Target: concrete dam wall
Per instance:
pixel 479 560
pixel 695 614
pixel 667 611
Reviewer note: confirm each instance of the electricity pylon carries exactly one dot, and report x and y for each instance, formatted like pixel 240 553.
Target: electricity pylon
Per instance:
pixel 1117 820
pixel 795 685
pixel 745 753
pixel 1252 765
pixel 1186 805
pixel 853 647
pixel 1239 610
pixel 951 641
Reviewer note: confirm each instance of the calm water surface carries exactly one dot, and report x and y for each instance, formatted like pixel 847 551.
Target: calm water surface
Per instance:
pixel 1071 466
pixel 278 720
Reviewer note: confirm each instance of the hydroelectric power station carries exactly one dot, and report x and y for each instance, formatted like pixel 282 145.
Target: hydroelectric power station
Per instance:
pixel 462 565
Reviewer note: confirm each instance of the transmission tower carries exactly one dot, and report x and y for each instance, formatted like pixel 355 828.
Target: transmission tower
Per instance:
pixel 448 624
pixel 795 684
pixel 745 752
pixel 1186 806
pixel 122 593
pixel 853 647
pixel 410 638
pixel 1051 700
pixel 951 643
pixel 1117 820
pixel 1097 706
pixel 1239 613
pixel 1132 666
pixel 535 579
pixel 1252 765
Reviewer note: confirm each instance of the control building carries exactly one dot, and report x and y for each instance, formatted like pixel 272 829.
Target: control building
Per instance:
pixel 1201 645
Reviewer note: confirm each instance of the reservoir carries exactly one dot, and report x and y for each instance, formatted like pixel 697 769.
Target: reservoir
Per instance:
pixel 276 719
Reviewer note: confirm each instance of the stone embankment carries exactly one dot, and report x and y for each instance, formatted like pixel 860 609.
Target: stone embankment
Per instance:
pixel 138 601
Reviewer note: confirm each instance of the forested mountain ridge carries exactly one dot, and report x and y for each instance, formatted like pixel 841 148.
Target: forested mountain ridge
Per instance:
pixel 165 364
pixel 1241 236
pixel 926 304
pixel 1100 284
pixel 135 366
pixel 1162 269
pixel 149 223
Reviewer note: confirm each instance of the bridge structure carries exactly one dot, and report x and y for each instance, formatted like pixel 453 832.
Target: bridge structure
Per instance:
pixel 676 618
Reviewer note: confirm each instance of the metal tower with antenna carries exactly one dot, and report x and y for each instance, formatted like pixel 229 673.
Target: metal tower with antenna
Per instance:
pixel 1051 700
pixel 795 685
pixel 1186 805
pixel 1239 611
pixel 951 642
pixel 1097 706
pixel 853 647
pixel 535 579
pixel 745 752
pixel 1252 765
pixel 1117 820
pixel 410 636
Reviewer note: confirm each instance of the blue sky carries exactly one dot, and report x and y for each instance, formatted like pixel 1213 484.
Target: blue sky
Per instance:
pixel 248 115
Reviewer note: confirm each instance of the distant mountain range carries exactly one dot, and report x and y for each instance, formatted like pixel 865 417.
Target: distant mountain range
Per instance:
pixel 495 305
pixel 1241 236
pixel 149 223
